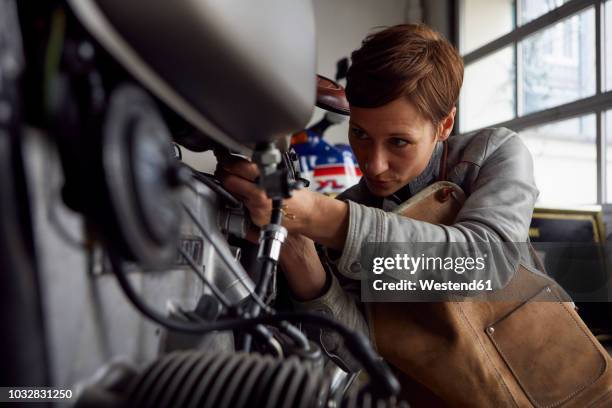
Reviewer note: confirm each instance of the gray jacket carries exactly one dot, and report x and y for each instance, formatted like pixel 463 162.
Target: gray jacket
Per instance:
pixel 495 170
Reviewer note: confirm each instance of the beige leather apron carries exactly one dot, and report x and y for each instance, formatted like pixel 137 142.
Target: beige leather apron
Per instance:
pixel 535 353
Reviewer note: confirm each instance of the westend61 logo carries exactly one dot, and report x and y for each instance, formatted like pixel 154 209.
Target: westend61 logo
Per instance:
pixel 433 271
pixel 413 264
pixel 404 263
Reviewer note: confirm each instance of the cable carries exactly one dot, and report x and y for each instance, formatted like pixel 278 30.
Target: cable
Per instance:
pixel 225 194
pixel 277 212
pixel 247 341
pixel 224 301
pixel 293 332
pixel 265 272
pixel 209 181
pixel 268 266
pixel 236 273
pixel 260 330
pixel 296 335
pixel 233 268
pixel 380 374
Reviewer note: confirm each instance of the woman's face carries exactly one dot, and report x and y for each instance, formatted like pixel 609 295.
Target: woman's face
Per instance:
pixel 393 143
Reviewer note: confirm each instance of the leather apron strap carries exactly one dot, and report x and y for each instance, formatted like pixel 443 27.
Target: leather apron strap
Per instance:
pixel 443 160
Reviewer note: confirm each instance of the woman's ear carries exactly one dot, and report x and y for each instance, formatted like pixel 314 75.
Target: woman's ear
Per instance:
pixel 446 126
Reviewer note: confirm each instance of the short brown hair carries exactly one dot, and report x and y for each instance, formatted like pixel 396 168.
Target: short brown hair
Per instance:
pixel 410 60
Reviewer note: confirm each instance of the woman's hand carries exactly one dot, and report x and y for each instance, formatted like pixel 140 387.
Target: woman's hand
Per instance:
pixel 238 177
pixel 298 259
pixel 314 215
pixel 300 263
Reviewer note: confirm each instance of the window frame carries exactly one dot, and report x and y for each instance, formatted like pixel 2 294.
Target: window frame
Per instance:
pixel 596 104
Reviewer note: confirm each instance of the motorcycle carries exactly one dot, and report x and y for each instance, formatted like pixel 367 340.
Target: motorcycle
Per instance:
pixel 123 276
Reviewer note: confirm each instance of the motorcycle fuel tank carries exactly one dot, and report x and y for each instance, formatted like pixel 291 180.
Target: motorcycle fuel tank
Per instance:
pixel 240 71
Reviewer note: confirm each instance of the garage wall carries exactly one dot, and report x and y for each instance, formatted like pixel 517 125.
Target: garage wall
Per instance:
pixel 341 26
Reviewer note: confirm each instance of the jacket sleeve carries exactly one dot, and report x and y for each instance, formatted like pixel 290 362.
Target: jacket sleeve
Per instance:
pixel 498 209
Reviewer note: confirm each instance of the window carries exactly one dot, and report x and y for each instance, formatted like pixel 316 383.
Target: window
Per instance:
pixel 608 44
pixel 558 63
pixel 488 87
pixel 485 20
pixel 544 69
pixel 565 160
pixel 532 9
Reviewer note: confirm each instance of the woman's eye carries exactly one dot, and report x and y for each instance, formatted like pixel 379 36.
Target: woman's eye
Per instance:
pixel 399 142
pixel 358 133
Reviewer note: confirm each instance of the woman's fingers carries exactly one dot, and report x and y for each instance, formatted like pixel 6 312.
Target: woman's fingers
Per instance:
pixel 253 234
pixel 255 199
pixel 241 187
pixel 239 167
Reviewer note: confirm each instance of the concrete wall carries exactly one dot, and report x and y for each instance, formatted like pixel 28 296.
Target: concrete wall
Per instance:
pixel 341 26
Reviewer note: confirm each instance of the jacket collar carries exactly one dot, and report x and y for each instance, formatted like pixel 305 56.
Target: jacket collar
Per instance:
pixel 429 175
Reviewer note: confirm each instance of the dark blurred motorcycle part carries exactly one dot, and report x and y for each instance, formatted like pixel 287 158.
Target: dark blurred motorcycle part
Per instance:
pixel 215 63
pixel 22 344
pixel 83 96
pixel 331 97
pixel 197 379
pixel 235 222
pixel 309 354
pixel 382 379
pixel 208 307
pixel 178 153
pixel 365 399
pixel 139 174
pixel 185 134
pixel 116 152
pixel 227 380
pixel 123 176
pixel 107 385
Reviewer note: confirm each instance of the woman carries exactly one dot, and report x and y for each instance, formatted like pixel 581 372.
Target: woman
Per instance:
pixel 402 87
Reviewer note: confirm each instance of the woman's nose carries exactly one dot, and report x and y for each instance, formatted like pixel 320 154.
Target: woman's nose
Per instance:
pixel 377 162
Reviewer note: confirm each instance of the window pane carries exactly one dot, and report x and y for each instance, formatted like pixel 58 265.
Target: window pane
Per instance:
pixel 558 63
pixel 483 21
pixel 608 45
pixel 532 9
pixel 565 161
pixel 488 91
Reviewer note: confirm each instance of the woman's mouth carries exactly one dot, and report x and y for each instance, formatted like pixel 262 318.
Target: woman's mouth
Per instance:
pixel 378 182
